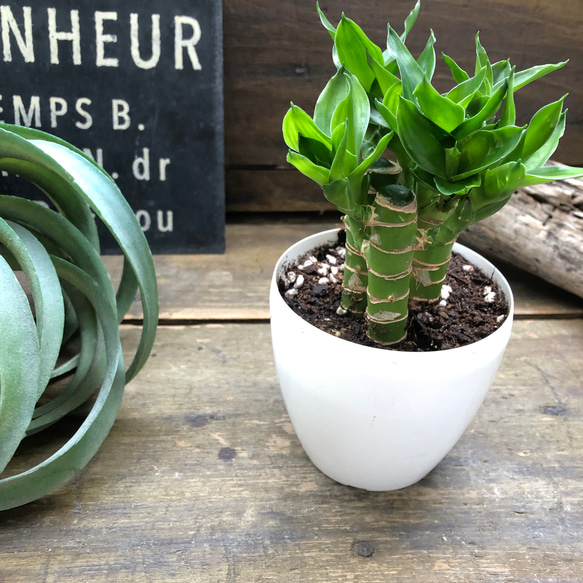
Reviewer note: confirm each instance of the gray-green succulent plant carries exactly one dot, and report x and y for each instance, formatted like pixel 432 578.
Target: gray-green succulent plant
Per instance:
pixel 73 306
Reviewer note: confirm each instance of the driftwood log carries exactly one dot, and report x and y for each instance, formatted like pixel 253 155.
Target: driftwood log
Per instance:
pixel 540 230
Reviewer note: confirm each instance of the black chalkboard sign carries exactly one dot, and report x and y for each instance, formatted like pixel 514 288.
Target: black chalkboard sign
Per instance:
pixel 136 84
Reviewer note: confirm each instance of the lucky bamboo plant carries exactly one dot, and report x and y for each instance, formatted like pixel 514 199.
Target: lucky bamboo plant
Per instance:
pixel 410 168
pixel 73 303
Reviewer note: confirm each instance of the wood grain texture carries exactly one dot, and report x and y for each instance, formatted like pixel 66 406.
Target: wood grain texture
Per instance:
pixel 235 286
pixel 276 52
pixel 273 190
pixel 203 479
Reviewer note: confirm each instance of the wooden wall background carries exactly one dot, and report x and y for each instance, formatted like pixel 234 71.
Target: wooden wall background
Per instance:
pixel 276 51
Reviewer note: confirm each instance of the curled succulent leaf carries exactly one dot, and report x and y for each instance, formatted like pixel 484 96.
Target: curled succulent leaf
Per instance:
pixel 19 364
pixel 72 293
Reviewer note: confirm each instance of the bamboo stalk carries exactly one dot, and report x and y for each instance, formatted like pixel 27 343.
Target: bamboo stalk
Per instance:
pixel 389 253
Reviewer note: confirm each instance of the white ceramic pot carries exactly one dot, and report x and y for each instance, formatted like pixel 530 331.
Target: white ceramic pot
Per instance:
pixel 388 422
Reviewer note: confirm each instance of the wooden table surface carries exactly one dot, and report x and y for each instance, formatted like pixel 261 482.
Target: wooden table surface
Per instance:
pixel 203 479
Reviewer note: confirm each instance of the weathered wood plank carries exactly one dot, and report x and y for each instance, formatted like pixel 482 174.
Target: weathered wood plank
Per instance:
pixel 235 286
pixel 203 479
pixel 273 190
pixel 277 52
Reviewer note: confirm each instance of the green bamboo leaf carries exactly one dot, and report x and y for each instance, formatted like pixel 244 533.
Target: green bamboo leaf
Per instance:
pixel 377 119
pixel 363 167
pixel 542 127
pixel 315 151
pixel 388 116
pixel 384 77
pixel 338 167
pixel 443 112
pixel 539 158
pixel 497 187
pixel 550 174
pixel 325 22
pixel 423 141
pixel 411 20
pixel 390 105
pixel 489 210
pixel 458 188
pixel 504 180
pixel 426 60
pixel 356 109
pixel 338 135
pixel 452 160
pixel 427 193
pixel 464 92
pixel 482 60
pixel 458 74
pixel 477 103
pixel 484 148
pixel 334 93
pixel 508 116
pixel 338 193
pixel 411 72
pixel 500 71
pixel 19 364
pixel 318 174
pixel 373 135
pixel 352 46
pixel 527 76
pixel 478 120
pixel 298 123
pixel 332 30
pixel 407 27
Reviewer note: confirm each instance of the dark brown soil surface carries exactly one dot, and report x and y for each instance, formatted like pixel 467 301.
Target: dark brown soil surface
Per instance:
pixel 474 309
